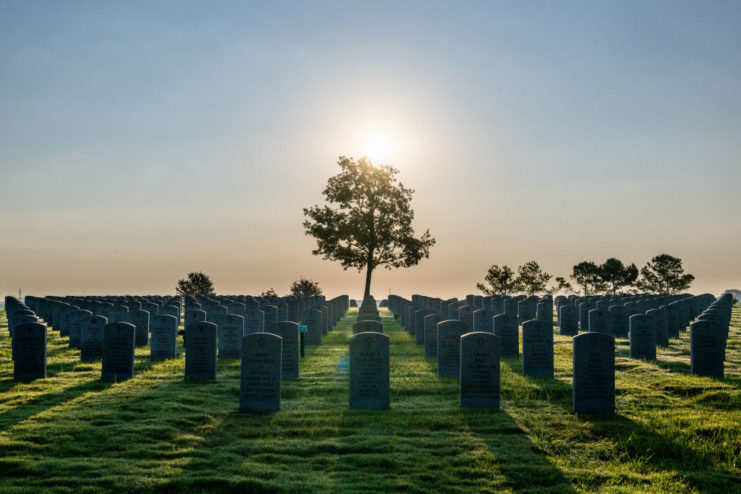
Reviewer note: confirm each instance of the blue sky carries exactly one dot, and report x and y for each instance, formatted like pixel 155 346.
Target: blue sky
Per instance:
pixel 142 140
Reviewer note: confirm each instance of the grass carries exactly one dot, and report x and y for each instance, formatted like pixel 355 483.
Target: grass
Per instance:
pixel 71 432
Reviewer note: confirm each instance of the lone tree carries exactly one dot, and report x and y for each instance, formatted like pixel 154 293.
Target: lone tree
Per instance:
pixel 195 283
pixel 586 274
pixel 532 278
pixel 500 281
pixel 270 292
pixel 615 275
pixel 664 274
pixel 304 288
pixel 368 222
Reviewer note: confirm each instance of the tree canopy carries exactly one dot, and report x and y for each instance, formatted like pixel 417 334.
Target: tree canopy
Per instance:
pixel 586 274
pixel 196 283
pixel 615 275
pixel 532 278
pixel 500 281
pixel 367 222
pixel 664 274
pixel 304 288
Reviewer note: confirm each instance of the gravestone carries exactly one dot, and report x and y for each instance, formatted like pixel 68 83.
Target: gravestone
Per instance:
pixel 707 349
pixel 29 342
pixel 91 338
pixel 313 322
pixel 527 309
pixel 75 326
pixel 431 321
pixel 419 326
pixel 662 332
pixel 260 385
pixel 229 333
pixel 164 330
pixel 288 331
pixel 594 373
pixel 617 321
pixel 449 348
pixel 367 326
pixel 193 316
pixel 140 319
pixel 118 351
pixel 483 321
pixel 200 352
pixel 537 349
pixel 568 321
pixel 642 338
pixel 465 314
pixel 505 326
pixel 598 320
pixel 479 373
pixel 254 321
pixel 369 371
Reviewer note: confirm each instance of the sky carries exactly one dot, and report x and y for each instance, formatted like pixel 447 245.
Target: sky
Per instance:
pixel 140 141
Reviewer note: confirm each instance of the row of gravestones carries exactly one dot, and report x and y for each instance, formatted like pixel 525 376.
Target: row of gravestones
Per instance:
pixel 114 343
pixel 646 329
pixel 706 358
pixel 474 357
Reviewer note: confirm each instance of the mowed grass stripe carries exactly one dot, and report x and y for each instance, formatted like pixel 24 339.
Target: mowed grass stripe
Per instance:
pixel 674 432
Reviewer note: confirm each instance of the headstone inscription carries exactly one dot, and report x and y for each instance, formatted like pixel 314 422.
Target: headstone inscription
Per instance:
pixel 200 352
pixel 449 348
pixel 164 329
pixel 479 374
pixel 288 331
pixel 568 320
pixel 369 371
pixel 537 349
pixel 642 338
pixel 505 326
pixel 229 333
pixel 594 373
pixel 313 322
pixel 29 342
pixel 91 338
pixel 260 385
pixel 254 321
pixel 118 351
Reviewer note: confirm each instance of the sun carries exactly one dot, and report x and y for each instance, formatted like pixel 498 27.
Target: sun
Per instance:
pixel 378 147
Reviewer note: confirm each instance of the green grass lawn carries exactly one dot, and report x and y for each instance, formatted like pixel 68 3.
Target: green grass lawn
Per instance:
pixel 672 433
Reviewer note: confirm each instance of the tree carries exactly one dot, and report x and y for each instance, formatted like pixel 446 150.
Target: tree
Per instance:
pixel 616 275
pixel 270 292
pixel 304 288
pixel 195 283
pixel 501 281
pixel 586 275
pixel 561 286
pixel 370 224
pixel 532 279
pixel 664 274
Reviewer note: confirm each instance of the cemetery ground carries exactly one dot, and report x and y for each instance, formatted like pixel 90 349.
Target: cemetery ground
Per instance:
pixel 672 432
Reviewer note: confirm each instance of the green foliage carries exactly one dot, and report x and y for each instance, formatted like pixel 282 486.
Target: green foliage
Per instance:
pixel 561 286
pixel 270 292
pixel 195 283
pixel 500 281
pixel 586 274
pixel 303 288
pixel 533 279
pixel 672 433
pixel 368 222
pixel 664 274
pixel 615 275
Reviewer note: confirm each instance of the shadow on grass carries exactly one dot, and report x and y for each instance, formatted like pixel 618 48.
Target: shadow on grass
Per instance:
pixel 45 401
pixel 522 463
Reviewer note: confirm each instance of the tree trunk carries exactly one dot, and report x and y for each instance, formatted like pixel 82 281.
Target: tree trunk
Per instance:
pixel 368 273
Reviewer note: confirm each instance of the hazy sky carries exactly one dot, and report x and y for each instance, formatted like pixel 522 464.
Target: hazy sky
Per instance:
pixel 143 140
